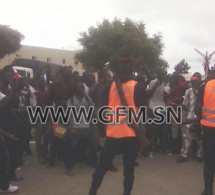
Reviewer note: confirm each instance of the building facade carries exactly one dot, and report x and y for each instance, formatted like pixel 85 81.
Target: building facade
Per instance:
pixel 56 56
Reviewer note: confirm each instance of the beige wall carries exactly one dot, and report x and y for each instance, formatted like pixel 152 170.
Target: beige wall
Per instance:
pixel 41 53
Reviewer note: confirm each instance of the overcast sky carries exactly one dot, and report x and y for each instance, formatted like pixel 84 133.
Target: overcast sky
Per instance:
pixel 184 24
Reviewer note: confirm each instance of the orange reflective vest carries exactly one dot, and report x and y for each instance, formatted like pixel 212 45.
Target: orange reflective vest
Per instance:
pixel 208 110
pixel 120 129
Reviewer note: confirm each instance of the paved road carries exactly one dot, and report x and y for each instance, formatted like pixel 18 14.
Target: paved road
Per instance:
pixel 160 175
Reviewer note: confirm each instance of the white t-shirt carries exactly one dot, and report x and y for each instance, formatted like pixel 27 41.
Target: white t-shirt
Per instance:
pixel 157 98
pixel 2 96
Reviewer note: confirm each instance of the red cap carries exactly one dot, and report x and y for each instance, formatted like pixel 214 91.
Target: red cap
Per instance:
pixel 16 77
pixel 194 78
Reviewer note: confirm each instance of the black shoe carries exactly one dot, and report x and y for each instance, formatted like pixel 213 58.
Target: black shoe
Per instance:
pixel 181 159
pixel 16 178
pixel 206 193
pixel 92 192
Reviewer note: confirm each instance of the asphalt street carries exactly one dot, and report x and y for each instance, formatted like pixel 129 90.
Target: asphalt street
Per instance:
pixel 160 175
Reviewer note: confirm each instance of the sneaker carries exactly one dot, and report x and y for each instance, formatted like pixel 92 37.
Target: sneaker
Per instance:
pixel 151 155
pixel 11 189
pixel 181 159
pixel 18 169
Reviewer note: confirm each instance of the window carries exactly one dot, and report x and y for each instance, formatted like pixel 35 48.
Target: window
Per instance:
pixel 49 60
pixel 28 75
pixel 64 61
pixel 34 57
pixel 21 72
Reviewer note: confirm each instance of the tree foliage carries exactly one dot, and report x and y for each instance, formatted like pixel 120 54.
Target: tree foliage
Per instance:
pixel 111 40
pixel 9 40
pixel 182 67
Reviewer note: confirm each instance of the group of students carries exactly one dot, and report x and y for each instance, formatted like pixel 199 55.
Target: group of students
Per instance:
pixel 71 89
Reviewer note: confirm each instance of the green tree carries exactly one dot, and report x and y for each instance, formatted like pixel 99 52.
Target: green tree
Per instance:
pixel 111 40
pixel 9 40
pixel 182 67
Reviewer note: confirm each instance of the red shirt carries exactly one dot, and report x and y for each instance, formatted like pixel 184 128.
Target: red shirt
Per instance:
pixel 177 92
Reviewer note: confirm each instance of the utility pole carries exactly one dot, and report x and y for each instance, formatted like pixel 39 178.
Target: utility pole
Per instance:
pixel 206 60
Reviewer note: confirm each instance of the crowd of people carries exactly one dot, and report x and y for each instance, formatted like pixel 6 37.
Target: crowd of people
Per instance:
pixel 86 140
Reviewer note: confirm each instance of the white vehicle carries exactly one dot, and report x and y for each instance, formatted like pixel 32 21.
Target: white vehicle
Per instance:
pixel 24 72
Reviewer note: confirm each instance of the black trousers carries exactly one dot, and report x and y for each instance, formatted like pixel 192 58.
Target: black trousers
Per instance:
pixel 15 151
pixel 85 135
pixel 11 124
pixel 129 147
pixel 4 165
pixel 66 149
pixel 209 156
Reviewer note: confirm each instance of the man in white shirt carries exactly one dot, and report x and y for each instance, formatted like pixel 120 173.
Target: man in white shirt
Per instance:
pixel 191 118
pixel 82 130
pixel 156 98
